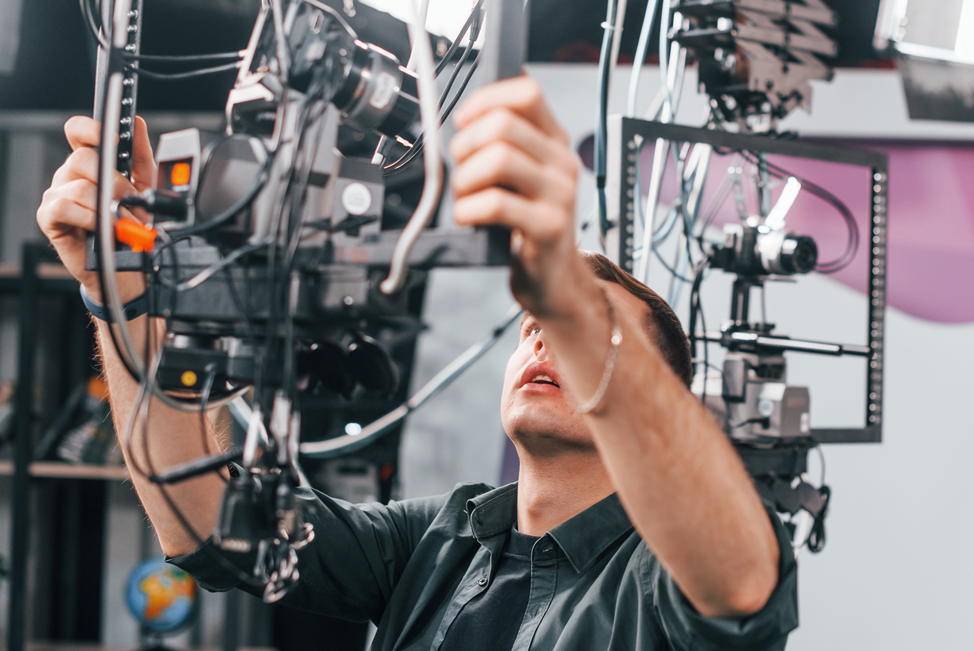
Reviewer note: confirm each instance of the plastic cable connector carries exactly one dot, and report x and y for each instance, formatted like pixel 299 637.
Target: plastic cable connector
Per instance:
pixel 137 235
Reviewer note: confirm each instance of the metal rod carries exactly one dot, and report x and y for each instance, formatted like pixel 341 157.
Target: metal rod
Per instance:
pixel 741 300
pixel 785 343
pixel 199 467
pixel 23 424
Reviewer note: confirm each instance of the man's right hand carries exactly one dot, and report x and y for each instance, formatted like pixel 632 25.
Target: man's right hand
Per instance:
pixel 67 212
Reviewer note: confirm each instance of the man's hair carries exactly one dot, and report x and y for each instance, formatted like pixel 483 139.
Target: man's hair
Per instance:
pixel 663 324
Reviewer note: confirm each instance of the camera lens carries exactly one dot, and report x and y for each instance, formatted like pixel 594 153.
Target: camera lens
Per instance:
pixel 798 254
pixel 377 93
pixel 366 83
pixel 786 253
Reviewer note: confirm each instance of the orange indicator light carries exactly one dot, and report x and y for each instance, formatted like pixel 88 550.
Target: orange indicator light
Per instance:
pixel 180 174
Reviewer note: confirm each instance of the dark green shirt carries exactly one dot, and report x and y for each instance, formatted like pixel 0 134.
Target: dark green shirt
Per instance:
pixel 410 567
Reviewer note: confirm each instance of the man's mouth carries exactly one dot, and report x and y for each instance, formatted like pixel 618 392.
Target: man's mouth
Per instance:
pixel 543 379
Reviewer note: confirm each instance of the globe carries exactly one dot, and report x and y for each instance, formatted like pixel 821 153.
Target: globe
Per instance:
pixel 162 597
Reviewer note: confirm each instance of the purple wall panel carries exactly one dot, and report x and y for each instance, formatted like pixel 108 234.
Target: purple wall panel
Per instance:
pixel 931 221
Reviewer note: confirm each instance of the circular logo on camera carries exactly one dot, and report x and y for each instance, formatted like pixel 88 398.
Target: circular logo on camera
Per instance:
pixel 356 199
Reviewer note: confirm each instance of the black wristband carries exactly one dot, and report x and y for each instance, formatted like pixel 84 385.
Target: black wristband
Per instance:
pixel 133 309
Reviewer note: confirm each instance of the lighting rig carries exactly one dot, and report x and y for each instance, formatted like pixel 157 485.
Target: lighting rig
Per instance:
pixel 754 61
pixel 269 256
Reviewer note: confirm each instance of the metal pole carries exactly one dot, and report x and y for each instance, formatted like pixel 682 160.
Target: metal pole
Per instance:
pixel 231 621
pixel 740 302
pixel 23 426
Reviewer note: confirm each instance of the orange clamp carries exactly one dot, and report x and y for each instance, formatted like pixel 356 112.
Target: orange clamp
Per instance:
pixel 138 236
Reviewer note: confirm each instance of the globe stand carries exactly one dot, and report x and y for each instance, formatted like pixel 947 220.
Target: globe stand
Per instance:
pixel 152 641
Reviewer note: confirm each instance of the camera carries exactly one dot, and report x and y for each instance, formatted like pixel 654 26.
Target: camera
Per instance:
pixel 329 63
pixel 760 250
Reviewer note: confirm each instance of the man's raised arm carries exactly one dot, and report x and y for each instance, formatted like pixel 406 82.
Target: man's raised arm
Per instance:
pixel 678 477
pixel 65 216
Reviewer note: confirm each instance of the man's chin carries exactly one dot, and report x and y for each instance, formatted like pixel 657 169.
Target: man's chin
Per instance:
pixel 547 429
pixel 548 443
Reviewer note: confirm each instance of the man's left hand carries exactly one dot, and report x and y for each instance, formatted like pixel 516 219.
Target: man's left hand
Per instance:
pixel 515 168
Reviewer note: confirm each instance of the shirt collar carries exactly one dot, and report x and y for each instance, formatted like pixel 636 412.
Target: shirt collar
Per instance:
pixel 493 512
pixel 582 538
pixel 591 532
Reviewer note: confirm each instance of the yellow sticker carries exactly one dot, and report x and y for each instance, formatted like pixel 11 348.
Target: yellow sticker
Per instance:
pixel 188 378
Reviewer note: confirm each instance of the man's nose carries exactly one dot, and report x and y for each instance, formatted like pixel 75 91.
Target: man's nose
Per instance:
pixel 538 345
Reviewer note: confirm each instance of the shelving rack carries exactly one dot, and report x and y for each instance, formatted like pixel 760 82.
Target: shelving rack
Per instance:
pixel 39 274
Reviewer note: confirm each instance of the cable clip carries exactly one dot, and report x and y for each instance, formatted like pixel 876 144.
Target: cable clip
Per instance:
pixel 136 234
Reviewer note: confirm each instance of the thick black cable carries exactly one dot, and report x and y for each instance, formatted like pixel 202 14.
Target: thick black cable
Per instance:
pixel 89 17
pixel 602 125
pixel 417 147
pixel 184 58
pixel 210 371
pixel 852 243
pixel 666 265
pixel 816 537
pixel 229 213
pixel 453 75
pixel 447 57
pixel 179 76
pixel 93 27
pixel 696 307
pixel 456 42
pixel 463 86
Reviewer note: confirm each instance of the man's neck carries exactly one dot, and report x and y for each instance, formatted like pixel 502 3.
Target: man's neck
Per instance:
pixel 554 489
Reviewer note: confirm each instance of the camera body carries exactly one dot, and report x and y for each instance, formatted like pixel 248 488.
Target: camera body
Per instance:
pixel 760 405
pixel 758 250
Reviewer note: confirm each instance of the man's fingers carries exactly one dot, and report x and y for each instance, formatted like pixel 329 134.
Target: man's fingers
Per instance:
pixel 522 95
pixel 143 163
pixel 82 131
pixel 499 164
pixel 504 124
pixel 85 193
pixel 492 206
pixel 82 192
pixel 61 213
pixel 81 164
pixel 538 220
pixel 84 136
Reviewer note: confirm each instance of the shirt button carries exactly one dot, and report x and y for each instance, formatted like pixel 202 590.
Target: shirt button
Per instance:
pixel 482 581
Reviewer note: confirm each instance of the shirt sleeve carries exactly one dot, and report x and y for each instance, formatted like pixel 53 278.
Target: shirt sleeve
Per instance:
pixel 350 568
pixel 766 630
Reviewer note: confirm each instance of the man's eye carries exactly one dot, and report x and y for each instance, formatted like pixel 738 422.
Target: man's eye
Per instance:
pixel 534 330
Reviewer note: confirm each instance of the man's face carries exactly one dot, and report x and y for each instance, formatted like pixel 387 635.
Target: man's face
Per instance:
pixel 534 410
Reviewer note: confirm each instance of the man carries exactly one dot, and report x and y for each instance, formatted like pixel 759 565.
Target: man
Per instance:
pixel 633 524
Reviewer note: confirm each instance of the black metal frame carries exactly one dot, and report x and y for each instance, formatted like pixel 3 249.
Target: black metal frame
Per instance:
pixel 23 421
pixel 628 135
pixel 29 287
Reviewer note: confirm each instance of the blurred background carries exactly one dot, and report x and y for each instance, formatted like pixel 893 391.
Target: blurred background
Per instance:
pixel 893 574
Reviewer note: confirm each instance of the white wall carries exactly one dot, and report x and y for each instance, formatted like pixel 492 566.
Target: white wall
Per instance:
pixel 894 571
